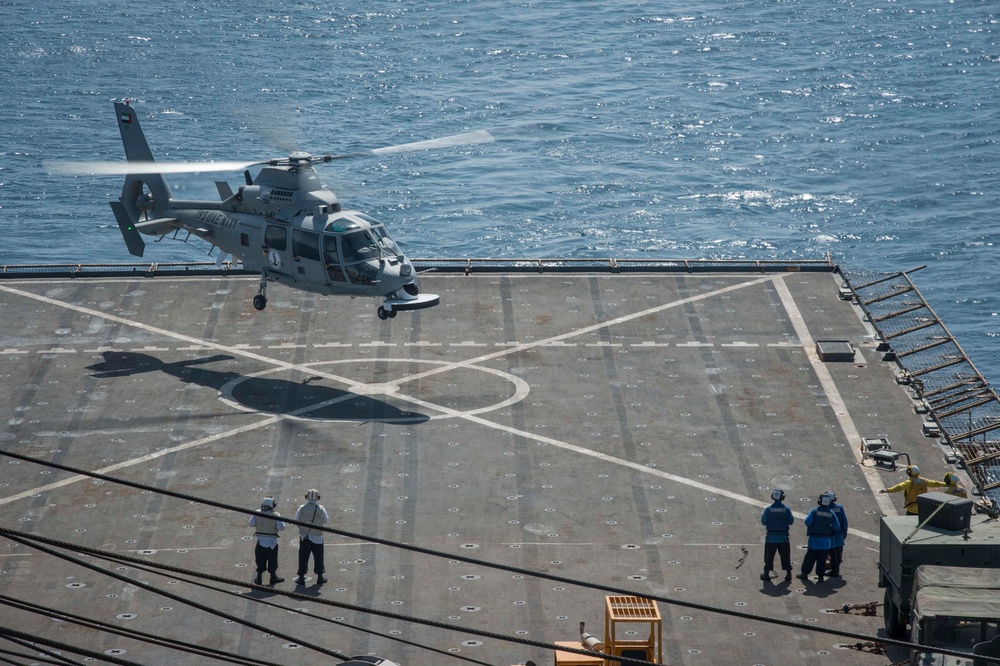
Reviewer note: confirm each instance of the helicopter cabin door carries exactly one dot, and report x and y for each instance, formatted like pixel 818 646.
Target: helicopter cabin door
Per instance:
pixel 276 255
pixel 306 257
pixel 331 255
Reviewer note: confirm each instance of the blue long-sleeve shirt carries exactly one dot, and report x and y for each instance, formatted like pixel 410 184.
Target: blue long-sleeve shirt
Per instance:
pixel 841 535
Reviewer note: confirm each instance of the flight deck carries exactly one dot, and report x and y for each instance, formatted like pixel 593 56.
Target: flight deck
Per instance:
pixel 609 429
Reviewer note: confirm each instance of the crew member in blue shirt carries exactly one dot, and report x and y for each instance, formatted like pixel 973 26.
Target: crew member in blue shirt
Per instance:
pixel 777 518
pixel 821 524
pixel 839 537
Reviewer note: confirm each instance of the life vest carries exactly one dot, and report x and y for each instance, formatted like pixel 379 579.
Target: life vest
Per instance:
pixel 822 524
pixel 777 519
pixel 310 531
pixel 267 526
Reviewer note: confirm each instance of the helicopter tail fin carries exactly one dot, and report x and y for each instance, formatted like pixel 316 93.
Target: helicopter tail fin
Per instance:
pixel 136 148
pixel 144 195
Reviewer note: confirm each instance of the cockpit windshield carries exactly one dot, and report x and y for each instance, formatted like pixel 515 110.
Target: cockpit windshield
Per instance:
pixel 385 241
pixel 368 244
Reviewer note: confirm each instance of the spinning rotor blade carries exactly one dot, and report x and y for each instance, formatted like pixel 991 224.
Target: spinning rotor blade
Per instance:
pixel 466 139
pixel 139 168
pixel 128 168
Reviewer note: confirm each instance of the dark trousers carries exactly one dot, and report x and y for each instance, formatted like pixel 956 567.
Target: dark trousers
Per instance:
pixel 836 557
pixel 817 557
pixel 306 548
pixel 267 559
pixel 784 551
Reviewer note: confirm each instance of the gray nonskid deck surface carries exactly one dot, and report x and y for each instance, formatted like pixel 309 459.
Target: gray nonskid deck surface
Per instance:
pixel 618 429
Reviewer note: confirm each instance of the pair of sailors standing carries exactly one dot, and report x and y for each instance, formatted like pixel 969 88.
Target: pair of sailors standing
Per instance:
pixel 826 527
pixel 310 539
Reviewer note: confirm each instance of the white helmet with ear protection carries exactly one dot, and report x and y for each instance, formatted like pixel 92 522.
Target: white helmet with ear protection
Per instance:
pixel 267 504
pixel 312 494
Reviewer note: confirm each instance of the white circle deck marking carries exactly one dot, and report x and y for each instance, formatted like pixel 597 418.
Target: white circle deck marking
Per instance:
pixel 354 388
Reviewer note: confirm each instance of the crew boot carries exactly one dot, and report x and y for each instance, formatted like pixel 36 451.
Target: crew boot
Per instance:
pixel 766 575
pixel 275 579
pixel 320 579
pixel 788 576
pixel 259 579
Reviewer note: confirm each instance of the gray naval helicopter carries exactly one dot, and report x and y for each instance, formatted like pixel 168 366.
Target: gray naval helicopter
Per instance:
pixel 284 223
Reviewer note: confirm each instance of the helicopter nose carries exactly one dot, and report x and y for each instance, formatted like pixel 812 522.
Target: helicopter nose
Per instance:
pixel 391 275
pixel 406 270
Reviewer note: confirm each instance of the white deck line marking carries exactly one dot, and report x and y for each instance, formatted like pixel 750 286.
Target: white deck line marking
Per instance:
pixel 513 348
pixel 135 461
pixel 638 467
pixel 174 550
pixel 516 347
pixel 833 395
pixel 235 350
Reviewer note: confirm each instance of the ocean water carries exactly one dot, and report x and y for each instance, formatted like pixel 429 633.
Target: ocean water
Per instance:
pixel 866 129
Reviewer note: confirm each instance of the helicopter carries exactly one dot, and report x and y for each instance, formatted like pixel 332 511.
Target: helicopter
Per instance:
pixel 284 223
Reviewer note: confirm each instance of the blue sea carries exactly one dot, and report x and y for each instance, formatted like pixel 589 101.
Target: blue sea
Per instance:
pixel 866 129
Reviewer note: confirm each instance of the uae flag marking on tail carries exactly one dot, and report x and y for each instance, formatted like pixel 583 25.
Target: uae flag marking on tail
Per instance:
pixel 126 117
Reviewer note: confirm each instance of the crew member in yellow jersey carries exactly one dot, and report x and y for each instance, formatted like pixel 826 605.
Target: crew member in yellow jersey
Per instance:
pixel 914 486
pixel 954 487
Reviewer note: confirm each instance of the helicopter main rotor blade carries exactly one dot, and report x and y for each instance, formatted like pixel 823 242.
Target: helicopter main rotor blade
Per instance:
pixel 466 139
pixel 144 167
pixel 138 168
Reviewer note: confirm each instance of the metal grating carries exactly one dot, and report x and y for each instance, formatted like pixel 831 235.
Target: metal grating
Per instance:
pixel 632 608
pixel 962 403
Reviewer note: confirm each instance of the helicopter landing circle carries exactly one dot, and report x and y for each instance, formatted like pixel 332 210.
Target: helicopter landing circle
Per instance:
pixel 335 397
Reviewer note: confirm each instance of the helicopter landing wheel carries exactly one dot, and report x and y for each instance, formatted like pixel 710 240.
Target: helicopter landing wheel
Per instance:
pixel 259 302
pixel 384 314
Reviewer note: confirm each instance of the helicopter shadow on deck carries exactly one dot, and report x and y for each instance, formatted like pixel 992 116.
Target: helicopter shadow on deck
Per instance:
pixel 307 399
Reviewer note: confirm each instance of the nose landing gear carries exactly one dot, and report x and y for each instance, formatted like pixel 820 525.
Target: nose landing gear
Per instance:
pixel 392 306
pixel 260 300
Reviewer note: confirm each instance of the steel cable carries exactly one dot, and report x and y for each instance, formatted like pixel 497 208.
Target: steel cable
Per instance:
pixel 29 540
pixel 29 641
pixel 502 567
pixel 307 614
pixel 142 636
pixel 34 541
